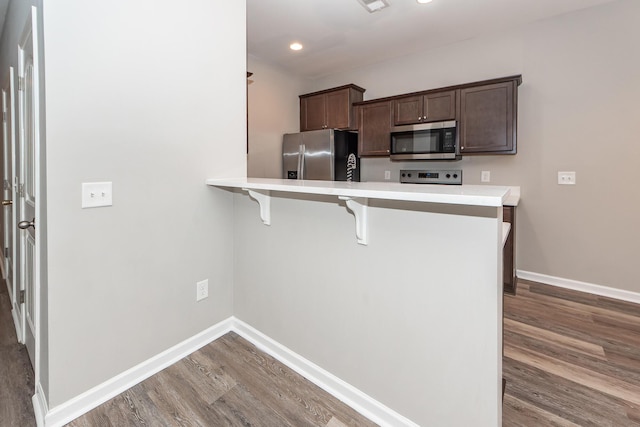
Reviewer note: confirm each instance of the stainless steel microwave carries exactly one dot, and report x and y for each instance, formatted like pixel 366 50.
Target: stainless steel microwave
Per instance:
pixel 425 141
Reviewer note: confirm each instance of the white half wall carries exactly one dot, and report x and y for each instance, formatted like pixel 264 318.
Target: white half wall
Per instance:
pixel 149 95
pixel 412 320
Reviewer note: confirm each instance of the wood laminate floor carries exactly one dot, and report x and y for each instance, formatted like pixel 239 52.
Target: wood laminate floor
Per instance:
pixel 16 373
pixel 226 383
pixel 570 359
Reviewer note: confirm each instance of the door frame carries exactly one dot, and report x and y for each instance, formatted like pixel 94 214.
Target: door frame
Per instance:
pixel 9 137
pixel 30 28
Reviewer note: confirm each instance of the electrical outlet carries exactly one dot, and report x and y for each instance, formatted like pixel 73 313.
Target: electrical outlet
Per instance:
pixel 567 178
pixel 485 176
pixel 202 290
pixel 387 174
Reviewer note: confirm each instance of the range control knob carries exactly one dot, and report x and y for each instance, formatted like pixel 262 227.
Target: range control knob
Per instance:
pixel 409 175
pixel 448 175
pixel 455 175
pixel 403 175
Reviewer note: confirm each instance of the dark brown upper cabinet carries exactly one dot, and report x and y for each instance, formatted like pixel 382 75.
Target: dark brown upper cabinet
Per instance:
pixel 374 128
pixel 488 118
pixel 330 109
pixel 431 107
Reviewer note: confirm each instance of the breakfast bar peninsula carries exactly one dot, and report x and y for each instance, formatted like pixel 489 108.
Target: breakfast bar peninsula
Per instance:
pixel 387 295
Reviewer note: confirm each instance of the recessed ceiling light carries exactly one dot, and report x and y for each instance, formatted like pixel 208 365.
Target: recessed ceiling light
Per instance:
pixel 374 5
pixel 424 1
pixel 295 46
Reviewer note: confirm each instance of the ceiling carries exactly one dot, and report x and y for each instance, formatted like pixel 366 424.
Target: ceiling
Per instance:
pixel 340 35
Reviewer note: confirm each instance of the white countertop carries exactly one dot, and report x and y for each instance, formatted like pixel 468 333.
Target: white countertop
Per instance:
pixel 513 198
pixel 475 195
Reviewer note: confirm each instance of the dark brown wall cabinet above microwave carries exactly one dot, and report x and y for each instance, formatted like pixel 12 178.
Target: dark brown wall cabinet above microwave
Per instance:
pixel 432 107
pixel 330 109
pixel 486 113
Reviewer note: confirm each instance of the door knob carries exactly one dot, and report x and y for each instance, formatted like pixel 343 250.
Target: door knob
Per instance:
pixel 23 225
pixel 7 202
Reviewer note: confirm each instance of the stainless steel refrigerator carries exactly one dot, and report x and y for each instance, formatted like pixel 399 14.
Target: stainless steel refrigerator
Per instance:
pixel 328 154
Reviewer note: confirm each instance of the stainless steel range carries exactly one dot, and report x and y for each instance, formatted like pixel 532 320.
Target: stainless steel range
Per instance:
pixel 431 176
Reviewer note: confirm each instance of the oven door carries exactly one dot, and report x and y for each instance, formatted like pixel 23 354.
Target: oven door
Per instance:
pixel 424 141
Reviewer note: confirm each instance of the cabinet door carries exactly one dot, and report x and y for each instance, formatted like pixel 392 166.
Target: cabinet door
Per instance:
pixel 439 106
pixel 338 109
pixel 374 129
pixel 408 110
pixel 312 113
pixel 487 119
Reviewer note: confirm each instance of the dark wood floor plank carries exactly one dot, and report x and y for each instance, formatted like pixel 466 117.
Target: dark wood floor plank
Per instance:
pixel 259 372
pixel 17 383
pixel 560 397
pixel 595 364
pixel 570 355
pixel 240 407
pixel 518 413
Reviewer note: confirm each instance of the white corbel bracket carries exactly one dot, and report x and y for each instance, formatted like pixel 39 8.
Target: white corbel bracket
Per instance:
pixel 359 205
pixel 263 197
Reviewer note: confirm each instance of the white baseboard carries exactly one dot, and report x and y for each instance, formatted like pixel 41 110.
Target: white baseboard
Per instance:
pixel 17 325
pixel 576 285
pixel 3 261
pixel 40 407
pixel 71 409
pixel 356 399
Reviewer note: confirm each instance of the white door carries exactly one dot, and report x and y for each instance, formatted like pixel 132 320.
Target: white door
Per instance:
pixel 8 208
pixel 26 172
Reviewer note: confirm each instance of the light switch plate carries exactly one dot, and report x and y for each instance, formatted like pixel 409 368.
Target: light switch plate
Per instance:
pixel 97 194
pixel 485 176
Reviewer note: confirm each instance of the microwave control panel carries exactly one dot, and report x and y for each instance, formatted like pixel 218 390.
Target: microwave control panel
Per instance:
pixel 409 176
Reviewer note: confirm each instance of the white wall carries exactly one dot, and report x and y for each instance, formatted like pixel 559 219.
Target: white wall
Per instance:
pixel 577 109
pixel 413 319
pixel 274 109
pixel 151 96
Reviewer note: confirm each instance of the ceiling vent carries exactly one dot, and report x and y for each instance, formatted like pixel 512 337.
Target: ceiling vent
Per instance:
pixel 374 5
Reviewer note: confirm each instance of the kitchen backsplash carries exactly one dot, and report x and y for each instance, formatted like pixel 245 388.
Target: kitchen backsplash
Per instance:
pixel 374 168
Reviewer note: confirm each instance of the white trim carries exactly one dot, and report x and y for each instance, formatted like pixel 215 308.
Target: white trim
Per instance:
pixel 16 323
pixel 79 405
pixel 40 407
pixel 3 260
pixel 576 285
pixel 356 399
pixel 72 409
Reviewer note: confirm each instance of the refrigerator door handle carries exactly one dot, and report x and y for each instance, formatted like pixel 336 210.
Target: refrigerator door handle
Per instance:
pixel 301 162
